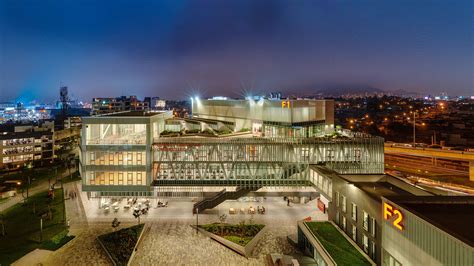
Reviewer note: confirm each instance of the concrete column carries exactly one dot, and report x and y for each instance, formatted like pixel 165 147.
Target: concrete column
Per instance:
pixel 471 170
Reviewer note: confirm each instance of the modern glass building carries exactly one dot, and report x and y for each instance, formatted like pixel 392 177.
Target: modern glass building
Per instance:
pixel 224 144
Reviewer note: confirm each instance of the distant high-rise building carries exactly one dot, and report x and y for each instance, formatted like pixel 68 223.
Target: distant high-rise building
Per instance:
pixel 155 103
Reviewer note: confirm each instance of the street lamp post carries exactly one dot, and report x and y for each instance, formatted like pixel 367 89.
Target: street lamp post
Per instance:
pixel 414 129
pixel 197 219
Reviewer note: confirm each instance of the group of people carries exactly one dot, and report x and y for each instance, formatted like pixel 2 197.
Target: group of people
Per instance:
pixel 260 210
pixel 72 194
pixel 161 204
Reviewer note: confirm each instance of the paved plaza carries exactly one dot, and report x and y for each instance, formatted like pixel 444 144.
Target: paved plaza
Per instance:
pixel 169 238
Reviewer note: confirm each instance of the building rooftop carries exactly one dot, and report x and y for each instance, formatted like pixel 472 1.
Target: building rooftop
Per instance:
pixel 133 114
pixel 28 134
pixel 452 214
pixel 381 189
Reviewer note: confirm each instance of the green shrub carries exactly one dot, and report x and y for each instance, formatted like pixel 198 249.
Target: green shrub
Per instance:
pixel 120 244
pixel 224 131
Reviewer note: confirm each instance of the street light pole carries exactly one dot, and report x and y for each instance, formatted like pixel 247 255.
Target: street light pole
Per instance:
pixel 197 219
pixel 414 129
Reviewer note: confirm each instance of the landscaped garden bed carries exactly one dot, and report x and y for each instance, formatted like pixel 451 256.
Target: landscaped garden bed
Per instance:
pixel 241 238
pixel 238 233
pixel 120 244
pixel 339 248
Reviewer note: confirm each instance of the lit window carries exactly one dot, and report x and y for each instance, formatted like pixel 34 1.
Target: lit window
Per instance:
pixel 129 178
pixel 366 221
pixel 139 178
pixel 354 212
pixel 344 223
pixel 120 178
pixel 354 233
pixel 344 204
pixel 365 243
pixel 372 250
pixel 373 225
pixel 337 199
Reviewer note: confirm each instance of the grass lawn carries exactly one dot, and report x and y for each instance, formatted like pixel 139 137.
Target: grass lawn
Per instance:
pixel 75 177
pixel 22 227
pixel 36 174
pixel 120 244
pixel 239 234
pixel 336 244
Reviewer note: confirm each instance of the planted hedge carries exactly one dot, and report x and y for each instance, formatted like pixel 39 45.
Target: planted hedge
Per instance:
pixel 240 234
pixel 120 244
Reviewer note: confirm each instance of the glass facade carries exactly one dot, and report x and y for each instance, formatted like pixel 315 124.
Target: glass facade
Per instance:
pixel 116 178
pixel 115 134
pixel 118 158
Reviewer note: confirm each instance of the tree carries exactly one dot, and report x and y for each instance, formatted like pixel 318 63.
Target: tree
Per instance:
pixel 136 214
pixel 242 230
pixel 2 221
pixel 115 223
pixel 222 219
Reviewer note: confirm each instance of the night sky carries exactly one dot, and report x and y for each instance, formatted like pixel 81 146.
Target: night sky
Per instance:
pixel 174 49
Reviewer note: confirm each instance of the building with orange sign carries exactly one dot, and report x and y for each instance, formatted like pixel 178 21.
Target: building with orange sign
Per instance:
pixel 355 204
pixel 270 117
pixel 428 230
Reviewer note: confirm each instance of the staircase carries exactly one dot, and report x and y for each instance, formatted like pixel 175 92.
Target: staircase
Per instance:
pixel 223 195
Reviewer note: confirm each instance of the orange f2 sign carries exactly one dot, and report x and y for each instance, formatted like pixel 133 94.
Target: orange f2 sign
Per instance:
pixel 389 211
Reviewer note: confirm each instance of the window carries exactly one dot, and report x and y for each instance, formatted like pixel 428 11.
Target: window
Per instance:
pixel 129 178
pixel 372 226
pixel 337 217
pixel 365 223
pixel 92 178
pixel 372 250
pixel 354 233
pixel 129 158
pixel 344 223
pixel 354 212
pixel 120 178
pixel 389 260
pixel 344 204
pixel 337 199
pixel 139 178
pixel 111 158
pixel 111 178
pixel 101 158
pixel 120 158
pixel 365 243
pixel 139 158
pixel 92 157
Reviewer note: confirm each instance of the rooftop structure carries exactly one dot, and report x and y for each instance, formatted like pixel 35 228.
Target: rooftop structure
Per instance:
pixel 270 117
pixel 118 104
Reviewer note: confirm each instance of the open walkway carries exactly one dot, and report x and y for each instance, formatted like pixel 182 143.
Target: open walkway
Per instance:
pixel 171 240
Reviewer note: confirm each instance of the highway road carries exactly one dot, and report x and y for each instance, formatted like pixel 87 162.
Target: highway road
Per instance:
pixel 449 172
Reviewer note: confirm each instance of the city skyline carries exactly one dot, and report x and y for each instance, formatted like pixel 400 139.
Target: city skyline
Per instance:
pixel 177 49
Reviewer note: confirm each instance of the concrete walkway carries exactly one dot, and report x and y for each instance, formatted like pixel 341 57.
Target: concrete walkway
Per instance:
pixel 171 240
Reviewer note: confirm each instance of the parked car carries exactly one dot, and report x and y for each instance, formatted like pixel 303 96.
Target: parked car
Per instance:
pixel 458 148
pixel 435 146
